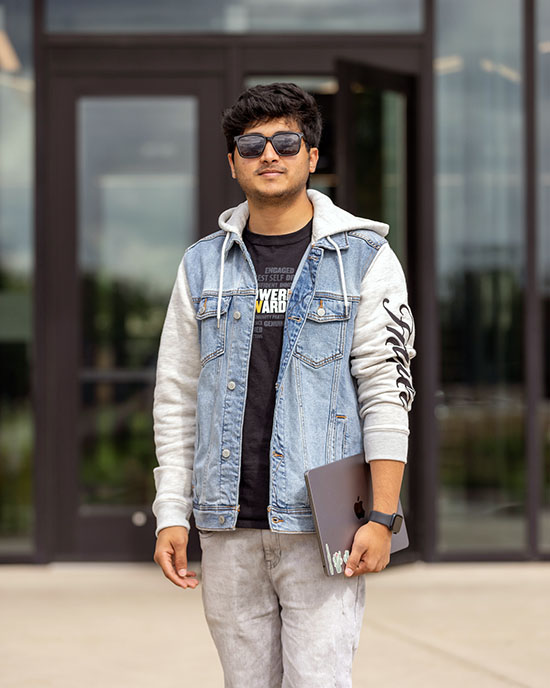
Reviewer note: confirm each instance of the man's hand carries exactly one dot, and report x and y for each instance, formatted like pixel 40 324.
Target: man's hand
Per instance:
pixel 370 552
pixel 171 556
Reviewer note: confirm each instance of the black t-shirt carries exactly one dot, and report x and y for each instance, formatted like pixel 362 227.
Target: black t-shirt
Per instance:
pixel 275 258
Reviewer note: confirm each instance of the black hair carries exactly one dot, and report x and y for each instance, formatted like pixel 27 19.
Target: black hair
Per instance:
pixel 273 101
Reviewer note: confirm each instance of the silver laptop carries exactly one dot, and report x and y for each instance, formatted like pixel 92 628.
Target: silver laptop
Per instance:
pixel 340 495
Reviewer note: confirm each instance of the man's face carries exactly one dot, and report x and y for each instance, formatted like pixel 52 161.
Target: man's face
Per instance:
pixel 273 177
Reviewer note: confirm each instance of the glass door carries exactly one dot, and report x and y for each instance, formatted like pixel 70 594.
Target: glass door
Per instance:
pixel 375 134
pixel 366 155
pixel 133 164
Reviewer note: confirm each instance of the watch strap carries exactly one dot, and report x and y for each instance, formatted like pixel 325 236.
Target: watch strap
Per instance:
pixel 391 521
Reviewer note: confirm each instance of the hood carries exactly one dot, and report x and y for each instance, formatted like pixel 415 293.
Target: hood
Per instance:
pixel 328 220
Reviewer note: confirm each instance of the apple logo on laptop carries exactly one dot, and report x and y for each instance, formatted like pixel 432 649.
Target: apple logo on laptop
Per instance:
pixel 358 508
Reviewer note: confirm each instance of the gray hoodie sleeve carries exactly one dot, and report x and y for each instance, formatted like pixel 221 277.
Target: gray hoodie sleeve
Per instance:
pixel 174 408
pixel 381 353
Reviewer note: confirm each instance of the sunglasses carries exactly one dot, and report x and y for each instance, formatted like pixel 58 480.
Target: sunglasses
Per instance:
pixel 284 143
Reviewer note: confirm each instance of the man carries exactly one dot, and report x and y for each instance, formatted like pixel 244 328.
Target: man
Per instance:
pixel 287 345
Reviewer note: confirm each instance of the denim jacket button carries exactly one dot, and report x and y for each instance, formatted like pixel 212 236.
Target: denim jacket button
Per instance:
pixel 221 519
pixel 226 453
pixel 320 311
pixel 231 385
pixel 237 315
pixel 201 310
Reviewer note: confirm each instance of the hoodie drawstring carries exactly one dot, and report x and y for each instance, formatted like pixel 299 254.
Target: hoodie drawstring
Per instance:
pixel 219 308
pixel 342 276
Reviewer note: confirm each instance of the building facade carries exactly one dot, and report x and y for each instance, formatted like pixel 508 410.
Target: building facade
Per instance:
pixel 112 161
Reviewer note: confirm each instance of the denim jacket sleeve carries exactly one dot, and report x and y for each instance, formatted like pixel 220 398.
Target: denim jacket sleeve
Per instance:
pixel 382 349
pixel 174 408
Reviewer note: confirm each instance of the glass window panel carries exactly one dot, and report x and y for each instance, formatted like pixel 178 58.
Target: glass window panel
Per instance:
pixel 379 136
pixel 239 16
pixel 480 274
pixel 137 182
pixel 543 247
pixel 116 446
pixel 137 213
pixel 16 276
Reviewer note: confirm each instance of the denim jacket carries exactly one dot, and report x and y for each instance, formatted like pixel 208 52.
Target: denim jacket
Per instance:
pixel 344 382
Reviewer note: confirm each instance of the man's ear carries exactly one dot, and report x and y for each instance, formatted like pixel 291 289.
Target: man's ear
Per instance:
pixel 231 165
pixel 313 159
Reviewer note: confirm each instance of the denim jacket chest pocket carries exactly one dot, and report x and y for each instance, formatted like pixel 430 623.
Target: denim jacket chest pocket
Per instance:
pixel 323 336
pixel 211 337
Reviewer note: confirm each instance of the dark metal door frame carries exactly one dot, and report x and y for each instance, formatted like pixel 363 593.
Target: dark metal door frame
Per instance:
pixel 384 79
pixel 74 537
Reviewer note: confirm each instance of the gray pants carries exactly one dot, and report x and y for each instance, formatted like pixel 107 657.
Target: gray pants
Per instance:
pixel 276 619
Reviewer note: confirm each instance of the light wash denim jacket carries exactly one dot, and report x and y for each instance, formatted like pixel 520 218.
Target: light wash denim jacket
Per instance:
pixel 344 383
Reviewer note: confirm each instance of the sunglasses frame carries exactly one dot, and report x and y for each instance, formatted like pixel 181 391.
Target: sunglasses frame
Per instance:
pixel 270 139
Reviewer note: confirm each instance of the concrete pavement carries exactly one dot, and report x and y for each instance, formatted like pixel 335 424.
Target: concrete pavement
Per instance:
pixel 124 625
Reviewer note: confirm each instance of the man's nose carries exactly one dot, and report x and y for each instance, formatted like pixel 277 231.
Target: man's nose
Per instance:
pixel 269 152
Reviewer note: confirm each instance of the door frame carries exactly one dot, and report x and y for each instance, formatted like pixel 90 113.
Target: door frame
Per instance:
pixel 62 58
pixel 383 79
pixel 75 536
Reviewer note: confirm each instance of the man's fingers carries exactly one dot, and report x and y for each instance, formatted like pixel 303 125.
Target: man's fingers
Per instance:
pixel 370 551
pixel 171 556
pixel 366 565
pixel 359 561
pixel 180 560
pixel 167 566
pixel 180 566
pixel 353 560
pixel 363 567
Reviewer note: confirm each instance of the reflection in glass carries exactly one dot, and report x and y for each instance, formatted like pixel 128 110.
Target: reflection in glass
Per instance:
pixel 117 445
pixel 137 181
pixel 378 134
pixel 543 248
pixel 239 16
pixel 137 208
pixel 16 276
pixel 480 267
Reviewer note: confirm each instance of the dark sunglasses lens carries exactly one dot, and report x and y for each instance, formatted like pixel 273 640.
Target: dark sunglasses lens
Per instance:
pixel 251 146
pixel 287 144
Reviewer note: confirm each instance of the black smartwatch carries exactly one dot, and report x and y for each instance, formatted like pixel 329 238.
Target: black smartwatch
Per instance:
pixel 392 521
